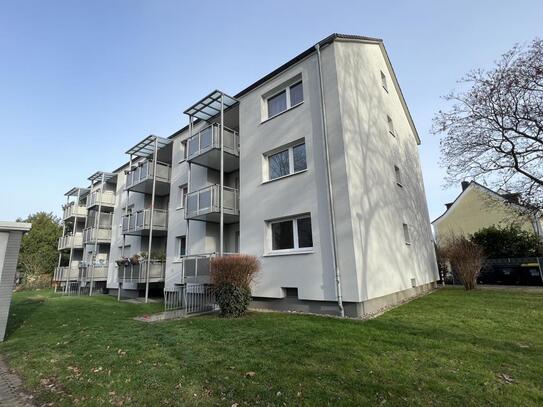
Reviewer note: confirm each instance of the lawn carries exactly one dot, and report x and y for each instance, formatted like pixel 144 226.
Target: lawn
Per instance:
pixel 448 348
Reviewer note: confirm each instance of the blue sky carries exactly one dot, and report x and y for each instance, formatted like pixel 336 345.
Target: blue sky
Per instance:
pixel 82 81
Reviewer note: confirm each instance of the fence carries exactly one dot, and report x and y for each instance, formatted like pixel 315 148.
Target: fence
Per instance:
pixel 191 298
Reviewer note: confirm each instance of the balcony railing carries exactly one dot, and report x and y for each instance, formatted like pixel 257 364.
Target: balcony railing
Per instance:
pixel 193 268
pixel 94 273
pixel 69 241
pixel 106 198
pixel 141 221
pixel 100 235
pixel 70 273
pixel 137 273
pixel 144 172
pixel 71 210
pixel 206 201
pixel 204 147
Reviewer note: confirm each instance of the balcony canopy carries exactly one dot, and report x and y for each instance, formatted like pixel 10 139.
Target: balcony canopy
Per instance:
pixel 146 147
pixel 97 176
pixel 75 191
pixel 210 106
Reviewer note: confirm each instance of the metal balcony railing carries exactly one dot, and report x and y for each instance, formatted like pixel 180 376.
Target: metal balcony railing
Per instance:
pixel 141 220
pixel 70 273
pixel 207 200
pixel 69 241
pixel 210 138
pixel 137 273
pixel 107 198
pixel 144 171
pixel 71 210
pixel 92 234
pixel 96 272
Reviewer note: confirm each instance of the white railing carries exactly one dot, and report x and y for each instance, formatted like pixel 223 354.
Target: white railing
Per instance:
pixel 69 241
pixel 107 198
pixel 141 220
pixel 137 273
pixel 207 200
pixel 93 234
pixel 210 138
pixel 144 171
pixel 72 209
pixel 191 298
pixel 67 273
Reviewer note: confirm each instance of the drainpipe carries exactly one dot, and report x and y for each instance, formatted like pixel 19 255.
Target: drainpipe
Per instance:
pixel 330 188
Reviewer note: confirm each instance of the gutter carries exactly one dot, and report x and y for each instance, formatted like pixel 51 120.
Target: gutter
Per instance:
pixel 330 189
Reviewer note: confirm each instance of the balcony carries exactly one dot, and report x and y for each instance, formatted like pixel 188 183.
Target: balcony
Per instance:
pixel 71 241
pixel 72 210
pixel 99 235
pixel 140 178
pixel 193 269
pixel 106 199
pixel 94 272
pixel 204 148
pixel 204 204
pixel 70 273
pixel 139 223
pixel 137 273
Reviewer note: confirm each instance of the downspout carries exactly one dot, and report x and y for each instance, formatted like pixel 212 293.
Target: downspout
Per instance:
pixel 330 188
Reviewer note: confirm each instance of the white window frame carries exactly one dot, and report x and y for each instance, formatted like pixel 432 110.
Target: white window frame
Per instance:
pixel 296 248
pixel 406 234
pixel 183 195
pixel 384 82
pixel 285 89
pixel 291 171
pixel 178 240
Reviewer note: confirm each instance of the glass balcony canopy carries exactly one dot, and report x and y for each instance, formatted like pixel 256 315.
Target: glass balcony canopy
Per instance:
pixel 146 147
pixel 210 106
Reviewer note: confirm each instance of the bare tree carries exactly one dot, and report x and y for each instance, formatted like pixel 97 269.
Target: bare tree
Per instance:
pixel 493 132
pixel 464 257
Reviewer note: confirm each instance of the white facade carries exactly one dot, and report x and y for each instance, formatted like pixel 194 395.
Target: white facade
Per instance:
pixel 383 246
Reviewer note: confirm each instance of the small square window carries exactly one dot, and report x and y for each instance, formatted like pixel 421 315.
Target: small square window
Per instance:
pixel 286 98
pixel 384 81
pixel 289 161
pixel 391 126
pixel 406 234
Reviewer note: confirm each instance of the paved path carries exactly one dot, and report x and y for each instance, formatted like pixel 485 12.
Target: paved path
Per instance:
pixel 11 393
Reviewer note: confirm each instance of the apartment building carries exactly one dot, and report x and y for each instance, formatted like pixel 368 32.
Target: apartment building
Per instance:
pixel 314 169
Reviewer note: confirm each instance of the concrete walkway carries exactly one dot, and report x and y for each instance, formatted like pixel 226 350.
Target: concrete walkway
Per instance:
pixel 11 393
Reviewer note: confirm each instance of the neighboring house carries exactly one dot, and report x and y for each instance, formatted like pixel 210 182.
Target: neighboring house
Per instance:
pixel 319 167
pixel 478 207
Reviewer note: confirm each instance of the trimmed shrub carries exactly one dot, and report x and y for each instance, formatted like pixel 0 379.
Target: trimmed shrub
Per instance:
pixel 231 277
pixel 465 257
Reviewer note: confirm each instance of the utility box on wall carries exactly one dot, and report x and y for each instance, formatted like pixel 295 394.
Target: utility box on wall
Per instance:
pixel 11 234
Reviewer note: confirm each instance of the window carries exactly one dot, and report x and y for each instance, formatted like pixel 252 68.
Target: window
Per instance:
pixel 406 234
pixel 181 246
pixel 183 150
pixel 384 81
pixel 291 234
pixel 398 176
pixel 286 162
pixel 391 126
pixel 289 97
pixel 182 194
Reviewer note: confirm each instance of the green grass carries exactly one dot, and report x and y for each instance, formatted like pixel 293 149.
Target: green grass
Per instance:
pixel 448 348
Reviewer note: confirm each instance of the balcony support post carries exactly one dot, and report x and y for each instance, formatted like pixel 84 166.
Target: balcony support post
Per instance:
pixel 96 234
pixel 221 231
pixel 155 158
pixel 119 284
pixel 189 189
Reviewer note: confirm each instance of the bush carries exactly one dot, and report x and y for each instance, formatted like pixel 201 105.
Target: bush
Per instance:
pixel 231 277
pixel 465 258
pixel 507 241
pixel 34 282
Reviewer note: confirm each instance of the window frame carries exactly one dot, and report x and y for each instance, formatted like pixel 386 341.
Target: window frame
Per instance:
pixel 384 82
pixel 406 234
pixel 178 240
pixel 390 126
pixel 295 235
pixel 183 191
pixel 289 105
pixel 290 148
pixel 398 176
